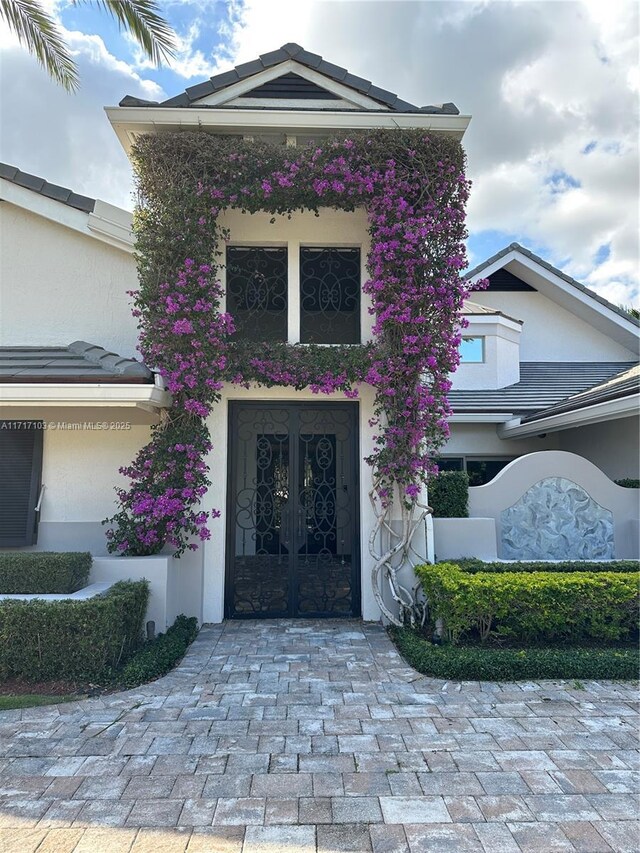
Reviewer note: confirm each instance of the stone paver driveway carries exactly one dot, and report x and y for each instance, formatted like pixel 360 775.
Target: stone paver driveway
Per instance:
pixel 297 737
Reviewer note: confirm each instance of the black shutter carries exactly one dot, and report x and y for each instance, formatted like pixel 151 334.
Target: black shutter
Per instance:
pixel 20 477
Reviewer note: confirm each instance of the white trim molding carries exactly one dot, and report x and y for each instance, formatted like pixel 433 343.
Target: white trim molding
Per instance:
pixel 95 394
pixel 106 223
pixel 130 122
pixel 610 410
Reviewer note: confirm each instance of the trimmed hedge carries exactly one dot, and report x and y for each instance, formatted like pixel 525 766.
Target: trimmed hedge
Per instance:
pixel 473 565
pixel 43 572
pixel 480 663
pixel 449 494
pixel 531 606
pixel 628 483
pixel 72 640
pixel 160 655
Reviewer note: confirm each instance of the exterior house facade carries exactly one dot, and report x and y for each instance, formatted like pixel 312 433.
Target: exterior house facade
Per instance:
pixel 546 364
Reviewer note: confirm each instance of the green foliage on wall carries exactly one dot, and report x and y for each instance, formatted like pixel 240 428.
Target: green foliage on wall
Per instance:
pixel 449 494
pixel 72 639
pixel 43 572
pixel 532 606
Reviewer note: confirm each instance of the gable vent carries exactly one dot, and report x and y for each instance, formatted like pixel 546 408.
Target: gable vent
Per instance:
pixel 503 280
pixel 291 86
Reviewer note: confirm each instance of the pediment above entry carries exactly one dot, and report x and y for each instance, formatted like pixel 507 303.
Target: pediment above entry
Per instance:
pixel 290 85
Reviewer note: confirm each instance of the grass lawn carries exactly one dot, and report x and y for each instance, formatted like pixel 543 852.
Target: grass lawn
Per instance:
pixel 32 700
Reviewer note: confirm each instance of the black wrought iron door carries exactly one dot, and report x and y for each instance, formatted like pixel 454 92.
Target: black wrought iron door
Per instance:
pixel 292 519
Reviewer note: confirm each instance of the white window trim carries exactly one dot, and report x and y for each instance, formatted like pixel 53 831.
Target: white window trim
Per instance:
pixel 482 339
pixel 293 280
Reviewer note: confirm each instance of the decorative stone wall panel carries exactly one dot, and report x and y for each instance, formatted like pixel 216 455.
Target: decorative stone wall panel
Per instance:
pixel 556 519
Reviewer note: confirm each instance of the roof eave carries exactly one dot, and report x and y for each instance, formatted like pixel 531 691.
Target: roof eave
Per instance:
pixel 98 394
pixel 574 289
pixel 128 122
pixel 622 407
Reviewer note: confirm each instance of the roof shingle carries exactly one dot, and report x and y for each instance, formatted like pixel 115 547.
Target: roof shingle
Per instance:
pixel 542 384
pixel 42 187
pixel 78 362
pixel 304 57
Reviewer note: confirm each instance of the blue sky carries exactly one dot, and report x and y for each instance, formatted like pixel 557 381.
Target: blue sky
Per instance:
pixel 552 146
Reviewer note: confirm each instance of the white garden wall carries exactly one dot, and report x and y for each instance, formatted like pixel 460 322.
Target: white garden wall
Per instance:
pixel 508 487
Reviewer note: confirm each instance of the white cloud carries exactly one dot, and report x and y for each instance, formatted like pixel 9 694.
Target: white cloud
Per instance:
pixel 66 138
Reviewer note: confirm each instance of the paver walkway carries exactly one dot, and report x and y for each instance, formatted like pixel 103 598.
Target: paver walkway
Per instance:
pixel 297 737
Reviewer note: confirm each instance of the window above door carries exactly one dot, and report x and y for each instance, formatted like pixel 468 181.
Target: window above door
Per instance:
pixel 294 293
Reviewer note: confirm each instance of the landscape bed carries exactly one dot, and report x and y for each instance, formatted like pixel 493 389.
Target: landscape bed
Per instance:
pixel 57 650
pixel 513 621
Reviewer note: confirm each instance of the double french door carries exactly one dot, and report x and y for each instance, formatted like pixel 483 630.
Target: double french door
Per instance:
pixel 292 511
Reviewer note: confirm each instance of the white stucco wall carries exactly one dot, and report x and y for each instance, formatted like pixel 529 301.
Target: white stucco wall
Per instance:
pixel 550 332
pixel 501 365
pixel 613 446
pixel 482 439
pixel 490 500
pixel 58 286
pixel 80 470
pixel 79 473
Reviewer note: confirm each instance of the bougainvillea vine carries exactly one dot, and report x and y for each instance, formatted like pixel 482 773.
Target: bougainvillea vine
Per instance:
pixel 414 190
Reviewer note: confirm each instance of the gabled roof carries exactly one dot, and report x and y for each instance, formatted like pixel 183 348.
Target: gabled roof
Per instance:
pixel 42 187
pixel 387 100
pixel 516 247
pixel 88 216
pixel 542 384
pixel 78 362
pixel 623 384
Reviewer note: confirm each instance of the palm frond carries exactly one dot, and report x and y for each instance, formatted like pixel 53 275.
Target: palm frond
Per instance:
pixel 144 22
pixel 37 31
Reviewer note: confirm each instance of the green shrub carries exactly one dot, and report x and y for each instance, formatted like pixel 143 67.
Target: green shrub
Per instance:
pixel 160 655
pixel 74 640
pixel 42 572
pixel 628 483
pixel 473 565
pixel 449 494
pixel 530 606
pixel 482 663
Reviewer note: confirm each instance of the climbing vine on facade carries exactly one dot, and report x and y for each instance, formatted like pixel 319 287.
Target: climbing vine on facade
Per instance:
pixel 413 187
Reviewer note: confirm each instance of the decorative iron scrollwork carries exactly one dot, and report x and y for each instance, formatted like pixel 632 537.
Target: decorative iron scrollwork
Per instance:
pixel 330 296
pixel 257 292
pixel 293 529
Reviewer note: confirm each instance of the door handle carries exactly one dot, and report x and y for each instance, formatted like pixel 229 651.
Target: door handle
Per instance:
pixel 299 523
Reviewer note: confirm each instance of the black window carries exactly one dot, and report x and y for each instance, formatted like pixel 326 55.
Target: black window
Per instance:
pixel 450 463
pixel 257 292
pixel 482 471
pixel 329 296
pixel 20 478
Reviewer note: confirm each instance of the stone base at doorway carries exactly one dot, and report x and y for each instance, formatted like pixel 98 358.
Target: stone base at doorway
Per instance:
pixel 455 538
pixel 175 586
